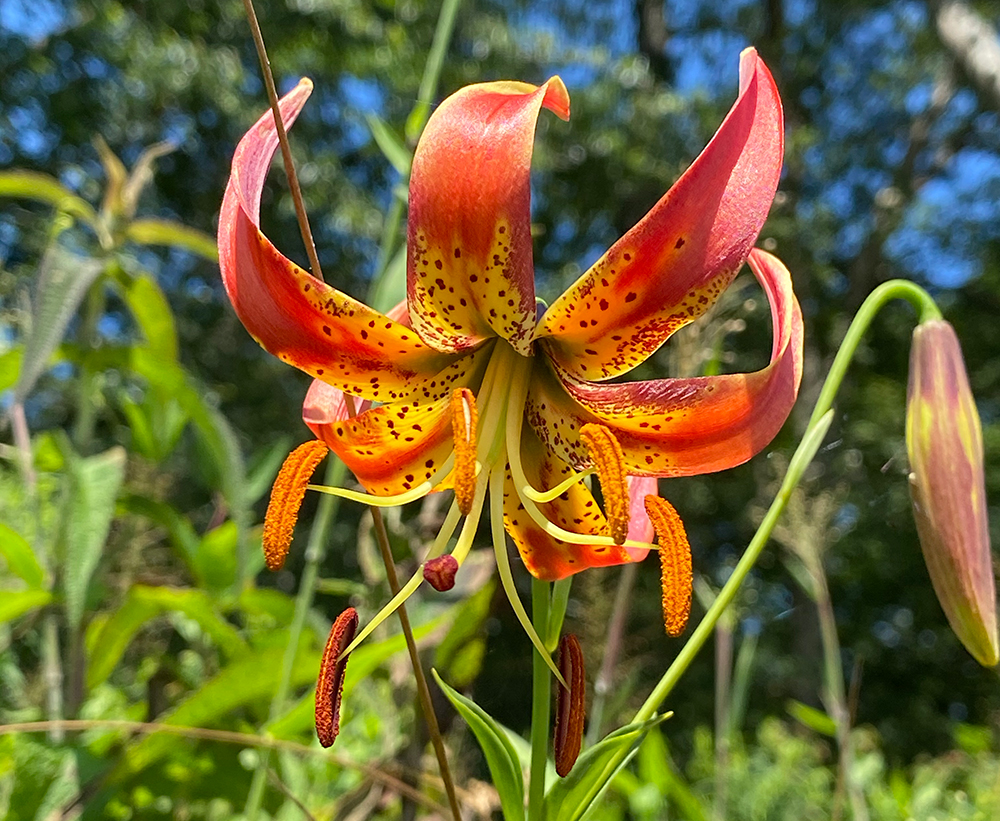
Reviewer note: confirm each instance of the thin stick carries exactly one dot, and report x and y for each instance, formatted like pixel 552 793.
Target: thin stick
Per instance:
pixel 286 150
pixel 418 671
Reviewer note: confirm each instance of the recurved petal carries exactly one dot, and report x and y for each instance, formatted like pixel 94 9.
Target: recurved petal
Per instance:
pixel 469 264
pixel 295 316
pixel 682 427
pixel 576 510
pixel 669 268
pixel 396 446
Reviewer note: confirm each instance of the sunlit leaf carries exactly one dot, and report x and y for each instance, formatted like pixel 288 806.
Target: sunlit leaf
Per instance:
pixel 500 755
pixel 143 604
pixel 10 367
pixel 390 144
pixel 174 234
pixel 656 767
pixel 63 280
pixel 152 313
pixel 815 720
pixel 15 603
pixel 21 559
pixel 575 796
pixel 93 488
pixel 44 188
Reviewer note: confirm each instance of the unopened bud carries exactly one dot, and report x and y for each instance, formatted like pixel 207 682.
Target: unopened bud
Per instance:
pixel 945 444
pixel 440 573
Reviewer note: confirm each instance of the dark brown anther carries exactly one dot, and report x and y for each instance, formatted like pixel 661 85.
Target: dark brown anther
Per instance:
pixel 330 685
pixel 440 573
pixel 569 705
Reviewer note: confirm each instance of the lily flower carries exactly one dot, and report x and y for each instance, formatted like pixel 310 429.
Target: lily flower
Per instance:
pixel 472 384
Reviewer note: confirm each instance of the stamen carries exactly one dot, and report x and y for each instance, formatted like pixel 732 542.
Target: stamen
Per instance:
pixel 609 460
pixel 464 418
pixel 544 496
pixel 569 705
pixel 404 593
pixel 440 573
pixel 503 569
pixel 330 685
pixel 675 564
pixel 396 499
pixel 286 498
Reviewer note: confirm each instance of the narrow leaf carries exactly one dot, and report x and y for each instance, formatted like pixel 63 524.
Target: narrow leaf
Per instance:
pixel 574 797
pixel 141 605
pixel 63 280
pixel 93 488
pixel 390 144
pixel 152 313
pixel 175 234
pixel 44 188
pixel 21 559
pixel 815 720
pixel 498 751
pixel 15 603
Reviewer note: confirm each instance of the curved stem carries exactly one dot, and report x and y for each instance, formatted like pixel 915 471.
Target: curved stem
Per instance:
pixel 541 699
pixel 819 422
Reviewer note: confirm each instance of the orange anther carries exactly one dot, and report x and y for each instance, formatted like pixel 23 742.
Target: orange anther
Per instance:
pixel 464 418
pixel 675 564
pixel 330 685
pixel 569 705
pixel 286 498
pixel 609 461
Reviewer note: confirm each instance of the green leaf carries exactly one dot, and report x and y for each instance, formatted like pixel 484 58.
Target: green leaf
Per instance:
pixel 63 280
pixel 176 234
pixel 657 768
pixel 390 144
pixel 21 559
pixel 574 797
pixel 93 488
pixel 265 466
pixel 152 313
pixel 499 752
pixel 815 720
pixel 10 367
pixel 15 603
pixel 44 188
pixel 182 534
pixel 142 604
pixel 216 557
pixel 459 654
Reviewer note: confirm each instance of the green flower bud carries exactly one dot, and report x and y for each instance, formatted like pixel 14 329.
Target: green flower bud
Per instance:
pixel 945 444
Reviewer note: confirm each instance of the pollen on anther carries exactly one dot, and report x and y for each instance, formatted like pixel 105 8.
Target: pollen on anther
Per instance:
pixel 609 460
pixel 330 684
pixel 675 563
pixel 464 418
pixel 286 498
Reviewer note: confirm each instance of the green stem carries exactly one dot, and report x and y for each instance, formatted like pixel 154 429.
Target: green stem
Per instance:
pixel 557 612
pixel 315 551
pixel 541 700
pixel 815 431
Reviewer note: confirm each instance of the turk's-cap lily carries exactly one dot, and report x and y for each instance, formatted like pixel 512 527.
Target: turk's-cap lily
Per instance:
pixel 944 440
pixel 469 384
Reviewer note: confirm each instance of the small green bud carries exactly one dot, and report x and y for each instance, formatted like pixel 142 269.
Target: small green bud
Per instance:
pixel 945 444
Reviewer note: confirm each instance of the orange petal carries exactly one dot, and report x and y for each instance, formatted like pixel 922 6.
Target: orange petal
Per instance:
pixel 682 427
pixel 393 447
pixel 675 262
pixel 576 510
pixel 295 316
pixel 470 274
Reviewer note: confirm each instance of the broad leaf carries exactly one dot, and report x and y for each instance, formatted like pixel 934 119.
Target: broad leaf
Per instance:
pixel 143 604
pixel 148 305
pixel 182 534
pixel 498 751
pixel 63 280
pixel 21 559
pixel 574 797
pixel 90 506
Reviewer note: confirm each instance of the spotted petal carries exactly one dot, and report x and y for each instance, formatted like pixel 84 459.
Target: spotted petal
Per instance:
pixel 548 558
pixel 396 446
pixel 682 427
pixel 469 265
pixel 295 316
pixel 674 263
